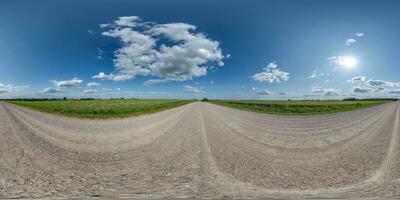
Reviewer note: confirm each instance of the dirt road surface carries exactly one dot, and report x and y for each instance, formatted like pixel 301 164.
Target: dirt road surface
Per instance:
pixel 201 150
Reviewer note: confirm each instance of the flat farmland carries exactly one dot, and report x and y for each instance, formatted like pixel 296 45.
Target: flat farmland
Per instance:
pixel 301 107
pixel 102 109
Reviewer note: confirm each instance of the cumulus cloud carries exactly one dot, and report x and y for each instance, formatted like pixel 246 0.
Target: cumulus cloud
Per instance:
pixel 271 73
pixel 336 60
pixel 155 81
pixel 379 89
pixel 360 84
pixel 326 92
pixel 359 34
pixel 376 82
pixel 330 94
pixel 51 90
pixel 379 83
pixel 93 84
pixel 357 80
pixel 168 52
pixel 349 41
pixel 361 90
pixel 75 82
pixel 9 88
pixel 397 92
pixel 191 89
pixel 130 21
pixel 316 74
pixel 89 91
pixel 264 92
pixel 99 53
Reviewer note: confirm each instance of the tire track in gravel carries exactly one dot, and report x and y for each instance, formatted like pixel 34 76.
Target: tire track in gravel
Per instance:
pixel 201 150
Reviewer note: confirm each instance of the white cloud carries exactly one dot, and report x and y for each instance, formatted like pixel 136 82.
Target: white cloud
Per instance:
pixel 357 80
pixel 349 41
pixel 155 81
pixel 359 34
pixel 99 53
pixel 396 92
pixel 376 82
pixel 90 91
pixel 335 60
pixel 211 82
pixel 264 92
pixel 51 90
pixel 75 82
pixel 93 84
pixel 379 89
pixel 12 88
pixel 318 90
pixel 283 93
pixel 380 83
pixel 361 85
pixel 326 92
pixel 191 89
pixel 316 74
pixel 361 90
pixel 386 84
pixel 331 94
pixel 271 74
pixel 130 21
pixel 169 52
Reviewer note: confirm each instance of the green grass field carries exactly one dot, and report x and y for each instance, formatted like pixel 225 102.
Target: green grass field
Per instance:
pixel 297 107
pixel 102 109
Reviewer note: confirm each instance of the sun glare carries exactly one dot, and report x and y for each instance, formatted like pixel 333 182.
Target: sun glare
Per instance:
pixel 348 62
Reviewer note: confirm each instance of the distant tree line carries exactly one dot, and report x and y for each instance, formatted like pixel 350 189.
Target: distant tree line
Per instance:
pixel 53 99
pixel 370 99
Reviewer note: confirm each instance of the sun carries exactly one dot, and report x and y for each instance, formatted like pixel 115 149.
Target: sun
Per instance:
pixel 348 62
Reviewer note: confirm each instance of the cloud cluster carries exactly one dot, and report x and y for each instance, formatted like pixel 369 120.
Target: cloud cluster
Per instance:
pixel 361 90
pixel 362 85
pixel 192 89
pixel 350 41
pixel 75 82
pixel 264 92
pixel 51 90
pixel 12 88
pixel 166 52
pixel 357 80
pixel 359 34
pixel 93 84
pixel 89 91
pixel 316 74
pixel 326 92
pixel 62 86
pixel 271 73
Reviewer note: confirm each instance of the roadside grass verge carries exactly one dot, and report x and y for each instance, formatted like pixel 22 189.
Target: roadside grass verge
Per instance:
pixel 301 107
pixel 102 109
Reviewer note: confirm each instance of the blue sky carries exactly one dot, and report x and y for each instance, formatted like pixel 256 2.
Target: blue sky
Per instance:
pixel 192 49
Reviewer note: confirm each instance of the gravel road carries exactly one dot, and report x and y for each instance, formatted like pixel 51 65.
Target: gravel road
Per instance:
pixel 201 150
